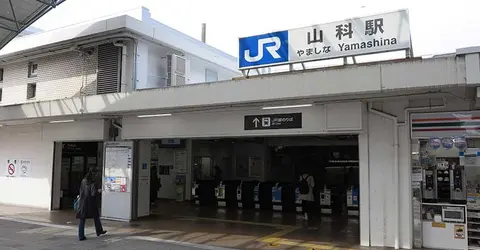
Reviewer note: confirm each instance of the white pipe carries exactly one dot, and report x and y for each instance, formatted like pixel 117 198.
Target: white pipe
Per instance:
pixel 123 85
pixel 396 169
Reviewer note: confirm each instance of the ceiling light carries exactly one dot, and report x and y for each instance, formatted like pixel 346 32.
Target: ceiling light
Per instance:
pixel 61 121
pixel 156 115
pixel 289 106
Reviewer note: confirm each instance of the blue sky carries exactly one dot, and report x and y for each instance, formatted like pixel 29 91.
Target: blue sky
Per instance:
pixel 436 26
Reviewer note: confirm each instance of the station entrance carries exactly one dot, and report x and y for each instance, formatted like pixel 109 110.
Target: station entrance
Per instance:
pixel 76 159
pixel 256 180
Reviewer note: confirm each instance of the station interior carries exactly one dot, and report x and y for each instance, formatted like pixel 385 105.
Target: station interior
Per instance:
pixel 244 179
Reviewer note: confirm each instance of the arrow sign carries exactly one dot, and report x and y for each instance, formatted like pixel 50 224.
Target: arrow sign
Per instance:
pixel 273 121
pixel 256 121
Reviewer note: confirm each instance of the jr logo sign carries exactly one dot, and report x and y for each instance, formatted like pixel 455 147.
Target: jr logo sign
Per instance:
pixel 263 49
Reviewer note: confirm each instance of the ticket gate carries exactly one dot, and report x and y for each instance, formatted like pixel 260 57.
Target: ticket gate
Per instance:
pixel 239 195
pixel 220 194
pixel 256 196
pixel 353 201
pixel 277 197
pixel 247 195
pixel 298 202
pixel 195 187
pixel 326 200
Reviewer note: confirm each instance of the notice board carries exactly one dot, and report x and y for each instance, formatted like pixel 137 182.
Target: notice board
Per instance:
pixel 117 180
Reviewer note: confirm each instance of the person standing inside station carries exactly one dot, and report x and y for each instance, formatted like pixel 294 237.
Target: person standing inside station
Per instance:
pixel 88 207
pixel 306 186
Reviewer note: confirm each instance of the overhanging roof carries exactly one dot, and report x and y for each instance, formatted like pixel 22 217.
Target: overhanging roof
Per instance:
pixel 17 15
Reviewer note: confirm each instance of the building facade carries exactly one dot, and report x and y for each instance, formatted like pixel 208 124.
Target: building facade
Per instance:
pixel 78 96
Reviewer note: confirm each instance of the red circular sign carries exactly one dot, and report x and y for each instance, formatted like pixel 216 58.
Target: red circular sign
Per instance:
pixel 11 169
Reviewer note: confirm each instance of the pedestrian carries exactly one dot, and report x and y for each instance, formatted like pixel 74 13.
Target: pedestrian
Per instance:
pixel 306 186
pixel 88 205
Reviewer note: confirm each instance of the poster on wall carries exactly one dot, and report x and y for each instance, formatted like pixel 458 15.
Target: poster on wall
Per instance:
pixel 180 161
pixel 18 168
pixel 11 168
pixel 241 166
pixel 255 166
pixel 25 167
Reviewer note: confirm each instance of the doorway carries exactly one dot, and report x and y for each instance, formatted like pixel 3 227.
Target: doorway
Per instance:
pixel 77 158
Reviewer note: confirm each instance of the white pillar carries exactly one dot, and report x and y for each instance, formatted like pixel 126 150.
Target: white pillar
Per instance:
pixel 364 180
pixel 57 176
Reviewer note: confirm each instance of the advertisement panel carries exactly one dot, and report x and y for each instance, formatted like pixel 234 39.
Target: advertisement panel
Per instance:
pixel 357 36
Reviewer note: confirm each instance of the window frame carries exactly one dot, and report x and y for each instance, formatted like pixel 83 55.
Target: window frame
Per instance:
pixel 34 90
pixel 32 69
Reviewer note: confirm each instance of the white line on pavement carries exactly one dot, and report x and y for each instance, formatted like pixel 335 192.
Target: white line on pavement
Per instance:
pixel 37 223
pixel 181 243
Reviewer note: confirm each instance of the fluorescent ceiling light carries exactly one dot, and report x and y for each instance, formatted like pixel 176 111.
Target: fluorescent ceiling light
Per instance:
pixel 156 115
pixel 61 121
pixel 289 106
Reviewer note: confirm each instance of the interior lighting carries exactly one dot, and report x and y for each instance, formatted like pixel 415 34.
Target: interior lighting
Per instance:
pixel 61 121
pixel 289 106
pixel 156 115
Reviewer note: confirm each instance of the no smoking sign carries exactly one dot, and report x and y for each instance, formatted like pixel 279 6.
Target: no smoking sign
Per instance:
pixel 11 168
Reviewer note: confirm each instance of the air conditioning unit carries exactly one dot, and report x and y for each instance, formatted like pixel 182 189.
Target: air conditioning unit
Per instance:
pixel 177 68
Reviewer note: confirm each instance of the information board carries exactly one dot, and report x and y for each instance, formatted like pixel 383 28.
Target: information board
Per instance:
pixel 117 180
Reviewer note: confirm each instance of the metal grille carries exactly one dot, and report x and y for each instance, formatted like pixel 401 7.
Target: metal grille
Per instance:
pixel 109 69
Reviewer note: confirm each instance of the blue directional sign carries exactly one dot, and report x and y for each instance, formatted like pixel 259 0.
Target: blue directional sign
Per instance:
pixel 266 49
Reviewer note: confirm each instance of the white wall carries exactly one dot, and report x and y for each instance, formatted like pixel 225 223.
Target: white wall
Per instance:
pixel 75 74
pixel 346 118
pixel 25 142
pixel 198 67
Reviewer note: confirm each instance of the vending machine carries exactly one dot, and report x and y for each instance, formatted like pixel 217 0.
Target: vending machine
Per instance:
pixel 429 189
pixel 458 187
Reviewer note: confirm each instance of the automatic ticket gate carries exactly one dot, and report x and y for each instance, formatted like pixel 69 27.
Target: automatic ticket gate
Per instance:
pixel 220 194
pixel 227 193
pixel 326 200
pixel 298 202
pixel 195 192
pixel 353 201
pixel 277 197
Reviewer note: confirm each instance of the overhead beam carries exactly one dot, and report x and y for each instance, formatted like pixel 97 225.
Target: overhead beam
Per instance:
pixel 7 28
pixel 52 3
pixel 14 16
pixel 10 20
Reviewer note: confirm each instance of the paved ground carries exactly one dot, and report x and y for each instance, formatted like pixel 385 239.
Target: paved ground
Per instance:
pixel 21 236
pixel 24 228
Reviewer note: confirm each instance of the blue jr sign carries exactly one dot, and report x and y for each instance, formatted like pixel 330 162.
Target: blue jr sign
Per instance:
pixel 266 49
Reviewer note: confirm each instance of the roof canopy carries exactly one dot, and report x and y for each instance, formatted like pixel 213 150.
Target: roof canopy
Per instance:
pixel 17 15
